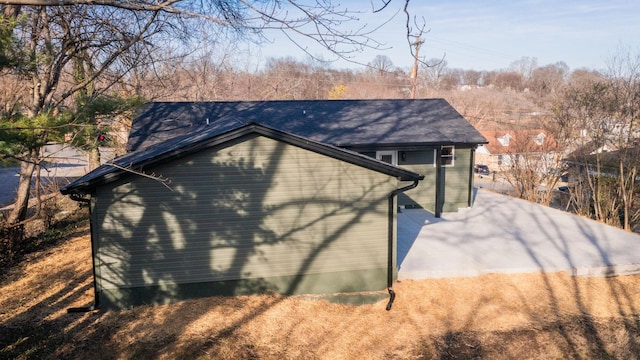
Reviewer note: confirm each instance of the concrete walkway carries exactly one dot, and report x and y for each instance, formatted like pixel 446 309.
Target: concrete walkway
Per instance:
pixel 501 234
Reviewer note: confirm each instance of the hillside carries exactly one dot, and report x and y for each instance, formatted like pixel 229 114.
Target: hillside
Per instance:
pixel 491 316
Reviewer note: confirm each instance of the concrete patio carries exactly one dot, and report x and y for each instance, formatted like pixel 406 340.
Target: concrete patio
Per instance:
pixel 501 234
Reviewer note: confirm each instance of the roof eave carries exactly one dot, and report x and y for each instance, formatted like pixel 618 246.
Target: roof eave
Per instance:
pixel 411 146
pixel 88 186
pixel 340 153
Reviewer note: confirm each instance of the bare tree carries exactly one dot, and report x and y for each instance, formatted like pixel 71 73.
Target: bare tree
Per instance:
pixel 548 79
pixel 323 22
pixel 531 163
pixel 434 70
pixel 451 79
pixel 74 49
pixel 287 78
pixel 525 66
pixel 605 111
pixel 624 70
pixel 416 30
pixel 62 53
pixel 381 64
pixel 472 77
pixel 509 80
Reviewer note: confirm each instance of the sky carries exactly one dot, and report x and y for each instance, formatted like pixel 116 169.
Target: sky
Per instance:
pixel 491 35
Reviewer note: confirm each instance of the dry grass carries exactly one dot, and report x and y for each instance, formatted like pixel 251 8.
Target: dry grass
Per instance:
pixel 532 316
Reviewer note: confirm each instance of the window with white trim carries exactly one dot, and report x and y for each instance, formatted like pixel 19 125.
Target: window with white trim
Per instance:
pixel 504 140
pixel 388 156
pixel 539 139
pixel 447 156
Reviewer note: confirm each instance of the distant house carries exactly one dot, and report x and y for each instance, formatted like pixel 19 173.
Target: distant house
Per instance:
pixel 599 159
pixel 506 148
pixel 286 196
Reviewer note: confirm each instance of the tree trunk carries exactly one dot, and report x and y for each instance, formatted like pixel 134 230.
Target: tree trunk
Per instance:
pixel 94 158
pixel 19 212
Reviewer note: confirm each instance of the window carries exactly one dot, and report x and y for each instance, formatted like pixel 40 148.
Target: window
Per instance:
pixel 504 140
pixel 447 156
pixel 390 157
pixel 539 139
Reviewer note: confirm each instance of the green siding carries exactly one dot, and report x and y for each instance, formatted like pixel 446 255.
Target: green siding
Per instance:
pixel 423 196
pixel 456 180
pixel 268 213
pixel 325 283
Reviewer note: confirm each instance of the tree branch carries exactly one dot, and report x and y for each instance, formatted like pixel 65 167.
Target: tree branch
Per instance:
pixel 152 176
pixel 137 6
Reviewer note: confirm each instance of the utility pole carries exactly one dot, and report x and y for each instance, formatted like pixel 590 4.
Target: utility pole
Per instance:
pixel 414 70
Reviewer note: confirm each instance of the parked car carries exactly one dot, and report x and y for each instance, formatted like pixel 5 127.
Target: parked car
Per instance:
pixel 481 169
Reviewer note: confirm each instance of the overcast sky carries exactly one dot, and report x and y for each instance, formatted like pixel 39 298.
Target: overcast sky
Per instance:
pixel 490 35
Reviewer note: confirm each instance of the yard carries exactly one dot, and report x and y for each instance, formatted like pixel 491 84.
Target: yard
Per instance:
pixel 539 315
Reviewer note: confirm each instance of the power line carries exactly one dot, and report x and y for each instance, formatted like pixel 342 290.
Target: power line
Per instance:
pixel 464 46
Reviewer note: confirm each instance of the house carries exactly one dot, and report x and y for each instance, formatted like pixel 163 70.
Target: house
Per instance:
pixel 413 134
pixel 506 148
pixel 246 197
pixel 599 159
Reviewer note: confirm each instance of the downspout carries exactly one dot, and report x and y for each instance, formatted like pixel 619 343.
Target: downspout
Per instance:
pixel 471 178
pixel 439 189
pixel 391 254
pixel 96 302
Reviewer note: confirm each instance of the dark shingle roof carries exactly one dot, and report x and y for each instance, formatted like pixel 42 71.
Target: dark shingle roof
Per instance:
pixel 345 123
pixel 216 134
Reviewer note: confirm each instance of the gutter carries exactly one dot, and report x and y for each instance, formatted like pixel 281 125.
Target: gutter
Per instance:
pixel 390 253
pixel 96 301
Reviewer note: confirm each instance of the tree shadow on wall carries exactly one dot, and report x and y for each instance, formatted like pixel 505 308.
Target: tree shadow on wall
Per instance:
pixel 170 244
pixel 221 219
pixel 154 240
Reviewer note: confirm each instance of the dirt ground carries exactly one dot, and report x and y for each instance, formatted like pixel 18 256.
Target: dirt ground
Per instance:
pixel 523 316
